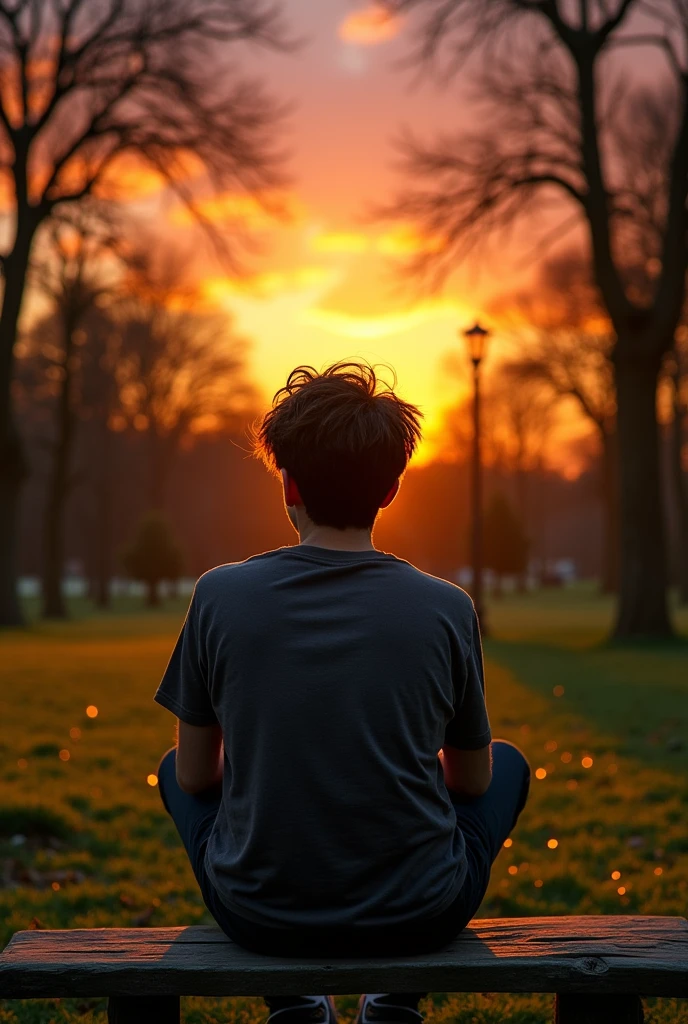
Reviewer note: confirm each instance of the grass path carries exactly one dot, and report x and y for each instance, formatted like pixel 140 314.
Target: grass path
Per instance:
pixel 100 850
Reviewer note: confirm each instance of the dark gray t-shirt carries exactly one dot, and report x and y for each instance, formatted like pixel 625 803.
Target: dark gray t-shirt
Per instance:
pixel 336 677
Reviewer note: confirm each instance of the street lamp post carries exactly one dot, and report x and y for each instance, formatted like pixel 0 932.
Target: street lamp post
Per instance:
pixel 476 338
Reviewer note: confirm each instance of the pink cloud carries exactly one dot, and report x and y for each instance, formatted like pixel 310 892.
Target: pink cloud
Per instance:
pixel 369 26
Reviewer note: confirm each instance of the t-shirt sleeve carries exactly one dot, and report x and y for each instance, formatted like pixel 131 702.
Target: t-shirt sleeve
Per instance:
pixel 469 729
pixel 184 687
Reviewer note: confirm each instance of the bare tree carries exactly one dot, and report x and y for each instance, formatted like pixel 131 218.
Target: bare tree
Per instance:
pixel 577 365
pixel 518 417
pixel 99 413
pixel 523 413
pixel 567 344
pixel 70 272
pixel 82 85
pixel 518 420
pixel 179 374
pixel 561 138
pixel 678 448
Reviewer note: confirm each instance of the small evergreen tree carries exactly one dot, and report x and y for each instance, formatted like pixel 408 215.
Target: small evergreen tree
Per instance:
pixel 153 556
pixel 505 541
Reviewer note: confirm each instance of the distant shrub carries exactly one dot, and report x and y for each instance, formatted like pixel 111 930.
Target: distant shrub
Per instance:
pixel 153 556
pixel 506 542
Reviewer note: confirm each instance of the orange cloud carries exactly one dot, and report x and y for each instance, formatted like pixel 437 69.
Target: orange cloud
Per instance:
pixel 128 178
pixel 249 210
pixel 362 327
pixel 340 242
pixel 217 290
pixel 404 240
pixel 369 26
pixel 363 304
pixel 401 240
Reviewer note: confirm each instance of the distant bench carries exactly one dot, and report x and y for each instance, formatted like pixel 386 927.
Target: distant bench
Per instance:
pixel 598 967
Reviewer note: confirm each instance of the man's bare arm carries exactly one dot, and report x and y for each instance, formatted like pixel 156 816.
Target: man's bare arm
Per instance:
pixel 468 772
pixel 199 756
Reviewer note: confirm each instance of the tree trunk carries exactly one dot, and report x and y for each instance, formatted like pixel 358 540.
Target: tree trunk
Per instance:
pixel 162 451
pixel 522 481
pixel 13 465
pixel 680 482
pixel 13 470
pixel 610 499
pixel 102 595
pixel 104 499
pixel 54 605
pixel 522 496
pixel 642 609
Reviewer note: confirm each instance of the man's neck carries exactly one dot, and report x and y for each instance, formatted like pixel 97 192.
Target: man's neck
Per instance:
pixel 338 540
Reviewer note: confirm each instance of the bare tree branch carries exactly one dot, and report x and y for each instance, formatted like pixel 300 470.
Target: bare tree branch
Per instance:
pixel 125 77
pixel 552 120
pixel 614 21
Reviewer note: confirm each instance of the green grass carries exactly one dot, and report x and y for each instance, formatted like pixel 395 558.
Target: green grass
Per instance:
pixel 96 828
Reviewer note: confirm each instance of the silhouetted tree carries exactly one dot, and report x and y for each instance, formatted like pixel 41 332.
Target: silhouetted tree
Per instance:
pixel 617 157
pixel 98 415
pixel 70 273
pixel 678 446
pixel 154 556
pixel 568 342
pixel 518 417
pixel 523 412
pixel 517 420
pixel 84 85
pixel 506 544
pixel 180 373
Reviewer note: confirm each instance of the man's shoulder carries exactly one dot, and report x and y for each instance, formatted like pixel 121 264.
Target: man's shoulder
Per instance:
pixel 223 577
pixel 443 590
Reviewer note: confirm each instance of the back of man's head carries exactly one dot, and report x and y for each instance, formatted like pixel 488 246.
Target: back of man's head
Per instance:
pixel 343 436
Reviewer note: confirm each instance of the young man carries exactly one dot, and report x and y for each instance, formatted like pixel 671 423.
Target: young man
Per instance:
pixel 334 781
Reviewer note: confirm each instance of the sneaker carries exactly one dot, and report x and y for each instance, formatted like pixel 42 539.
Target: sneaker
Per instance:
pixel 370 1010
pixel 312 1010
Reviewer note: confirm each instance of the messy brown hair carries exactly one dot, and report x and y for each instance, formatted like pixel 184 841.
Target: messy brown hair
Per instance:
pixel 343 436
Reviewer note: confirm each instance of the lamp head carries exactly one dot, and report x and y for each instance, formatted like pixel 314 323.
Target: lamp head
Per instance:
pixel 476 338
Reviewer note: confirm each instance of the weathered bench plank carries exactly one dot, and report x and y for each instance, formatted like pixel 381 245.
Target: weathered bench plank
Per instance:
pixel 623 954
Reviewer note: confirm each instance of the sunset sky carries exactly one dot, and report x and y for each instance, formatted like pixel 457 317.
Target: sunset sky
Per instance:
pixel 323 287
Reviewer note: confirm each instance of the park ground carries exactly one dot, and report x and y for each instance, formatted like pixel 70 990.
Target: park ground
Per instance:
pixel 605 729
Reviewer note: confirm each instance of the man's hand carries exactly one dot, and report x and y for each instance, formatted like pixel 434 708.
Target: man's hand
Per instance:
pixel 468 772
pixel 199 756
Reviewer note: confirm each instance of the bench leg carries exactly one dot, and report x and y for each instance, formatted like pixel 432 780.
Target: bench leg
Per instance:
pixel 603 1009
pixel 145 1010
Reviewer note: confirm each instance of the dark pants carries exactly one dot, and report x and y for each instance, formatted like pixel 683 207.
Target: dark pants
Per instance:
pixel 485 822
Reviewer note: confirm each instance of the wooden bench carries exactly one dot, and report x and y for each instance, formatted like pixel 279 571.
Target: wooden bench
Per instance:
pixel 598 967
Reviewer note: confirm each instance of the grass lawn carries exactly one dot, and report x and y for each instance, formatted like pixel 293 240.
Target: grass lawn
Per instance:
pixel 100 850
